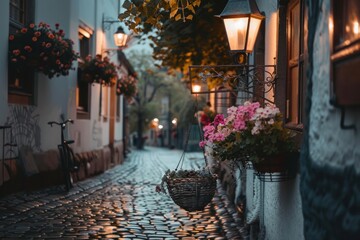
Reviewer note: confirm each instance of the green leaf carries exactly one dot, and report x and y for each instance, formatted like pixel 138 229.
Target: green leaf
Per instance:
pixel 191 8
pixel 178 17
pixel 137 20
pixel 173 12
pixel 127 4
pixel 173 3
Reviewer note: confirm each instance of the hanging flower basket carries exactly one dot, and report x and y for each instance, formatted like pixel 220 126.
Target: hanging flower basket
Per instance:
pixel 189 189
pixel 98 70
pixel 41 48
pixel 127 86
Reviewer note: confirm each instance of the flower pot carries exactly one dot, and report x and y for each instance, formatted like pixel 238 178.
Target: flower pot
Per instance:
pixel 277 163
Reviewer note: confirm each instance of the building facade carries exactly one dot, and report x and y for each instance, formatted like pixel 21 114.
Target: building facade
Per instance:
pixel 315 45
pixel 97 111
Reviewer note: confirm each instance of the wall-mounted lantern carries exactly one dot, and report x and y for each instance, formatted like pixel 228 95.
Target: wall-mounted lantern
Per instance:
pixel 242 20
pixel 195 88
pixel 120 37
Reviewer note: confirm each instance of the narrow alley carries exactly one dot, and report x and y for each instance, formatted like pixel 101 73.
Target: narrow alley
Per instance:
pixel 119 204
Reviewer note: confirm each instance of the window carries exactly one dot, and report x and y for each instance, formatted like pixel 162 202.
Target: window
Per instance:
pixel 296 75
pixel 344 28
pixel 83 90
pixel 21 88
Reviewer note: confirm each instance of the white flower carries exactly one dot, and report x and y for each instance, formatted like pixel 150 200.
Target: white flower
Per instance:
pixel 255 131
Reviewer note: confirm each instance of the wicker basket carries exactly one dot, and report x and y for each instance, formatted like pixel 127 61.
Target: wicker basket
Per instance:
pixel 191 194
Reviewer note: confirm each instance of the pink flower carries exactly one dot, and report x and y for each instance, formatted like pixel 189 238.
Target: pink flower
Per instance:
pixel 219 119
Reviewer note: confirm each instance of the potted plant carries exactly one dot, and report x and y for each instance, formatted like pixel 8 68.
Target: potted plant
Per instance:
pixel 41 48
pixel 98 70
pixel 252 133
pixel 127 86
pixel 192 190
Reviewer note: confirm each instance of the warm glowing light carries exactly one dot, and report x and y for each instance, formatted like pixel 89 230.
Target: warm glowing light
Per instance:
pixel 156 120
pixel 356 27
pixel 174 121
pixel 242 20
pixel 196 88
pixel 161 126
pixel 120 37
pixel 331 24
pixel 347 28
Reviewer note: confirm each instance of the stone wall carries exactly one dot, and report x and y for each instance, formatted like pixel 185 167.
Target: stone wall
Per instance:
pixel 35 170
pixel 330 167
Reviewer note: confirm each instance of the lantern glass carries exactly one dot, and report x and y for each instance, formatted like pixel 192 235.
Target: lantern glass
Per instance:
pixel 120 39
pixel 253 32
pixel 196 88
pixel 236 29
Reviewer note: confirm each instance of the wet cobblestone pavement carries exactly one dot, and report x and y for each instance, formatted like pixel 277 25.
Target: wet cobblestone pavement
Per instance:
pixel 119 204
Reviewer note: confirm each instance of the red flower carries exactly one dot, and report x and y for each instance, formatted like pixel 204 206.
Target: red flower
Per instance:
pixel 11 37
pixel 34 39
pixel 28 48
pixel 16 52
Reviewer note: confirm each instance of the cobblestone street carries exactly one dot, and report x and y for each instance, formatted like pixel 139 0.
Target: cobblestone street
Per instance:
pixel 120 204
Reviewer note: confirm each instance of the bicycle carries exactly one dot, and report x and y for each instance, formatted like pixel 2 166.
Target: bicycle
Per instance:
pixel 66 155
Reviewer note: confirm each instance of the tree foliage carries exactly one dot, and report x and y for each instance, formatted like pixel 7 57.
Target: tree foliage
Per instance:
pixel 179 44
pixel 143 15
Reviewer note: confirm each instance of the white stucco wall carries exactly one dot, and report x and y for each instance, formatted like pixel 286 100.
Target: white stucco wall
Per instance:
pixel 280 213
pixel 329 144
pixel 93 133
pixel 57 96
pixel 282 210
pixel 269 7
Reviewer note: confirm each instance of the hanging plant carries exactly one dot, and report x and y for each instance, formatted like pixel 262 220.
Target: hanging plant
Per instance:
pixel 127 86
pixel 99 70
pixel 41 48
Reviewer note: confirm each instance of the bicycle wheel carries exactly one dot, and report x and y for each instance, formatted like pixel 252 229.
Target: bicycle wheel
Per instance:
pixel 64 156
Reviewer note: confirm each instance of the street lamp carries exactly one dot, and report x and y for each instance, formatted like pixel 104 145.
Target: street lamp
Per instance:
pixel 242 21
pixel 120 37
pixel 196 88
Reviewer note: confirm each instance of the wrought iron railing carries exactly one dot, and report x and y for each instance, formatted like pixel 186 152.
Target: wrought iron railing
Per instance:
pixel 255 82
